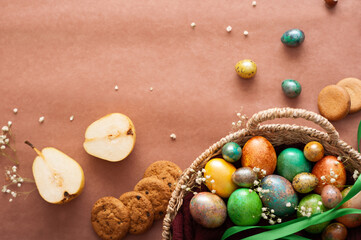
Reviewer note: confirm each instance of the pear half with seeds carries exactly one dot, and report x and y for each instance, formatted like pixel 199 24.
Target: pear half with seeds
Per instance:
pixel 58 177
pixel 110 138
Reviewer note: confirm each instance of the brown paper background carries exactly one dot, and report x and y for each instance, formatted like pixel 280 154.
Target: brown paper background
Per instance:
pixel 63 58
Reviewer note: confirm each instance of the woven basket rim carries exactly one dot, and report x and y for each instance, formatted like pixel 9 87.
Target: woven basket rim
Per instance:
pixel 329 138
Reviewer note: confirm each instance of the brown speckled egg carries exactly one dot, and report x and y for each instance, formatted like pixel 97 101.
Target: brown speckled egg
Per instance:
pixel 331 196
pixel 351 220
pixel 244 177
pixel 331 3
pixel 304 182
pixel 335 231
pixel 313 151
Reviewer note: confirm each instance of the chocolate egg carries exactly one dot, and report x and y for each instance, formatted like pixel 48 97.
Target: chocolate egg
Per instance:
pixel 335 231
pixel 331 3
pixel 231 152
pixel 208 209
pixel 291 162
pixel 351 220
pixel 304 182
pixel 313 151
pixel 244 177
pixel 219 178
pixel 293 38
pixel 309 205
pixel 291 88
pixel 258 152
pixel 331 196
pixel 246 68
pixel 277 194
pixel 329 171
pixel 244 207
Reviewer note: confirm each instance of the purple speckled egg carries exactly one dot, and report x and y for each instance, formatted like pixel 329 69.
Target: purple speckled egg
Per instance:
pixel 331 196
pixel 208 209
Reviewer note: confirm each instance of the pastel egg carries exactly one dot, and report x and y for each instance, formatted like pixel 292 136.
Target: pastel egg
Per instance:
pixel 291 88
pixel 258 152
pixel 314 151
pixel 335 231
pixel 291 162
pixel 304 182
pixel 310 205
pixel 351 220
pixel 220 177
pixel 277 194
pixel 331 196
pixel 246 68
pixel 208 209
pixel 244 177
pixel 293 37
pixel 244 207
pixel 231 152
pixel 329 171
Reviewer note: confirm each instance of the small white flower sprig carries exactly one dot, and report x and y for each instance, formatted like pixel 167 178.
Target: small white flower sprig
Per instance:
pixel 241 123
pixel 268 214
pixel 199 180
pixel 5 143
pixel 355 175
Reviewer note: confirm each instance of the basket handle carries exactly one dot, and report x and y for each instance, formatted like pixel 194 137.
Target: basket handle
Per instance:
pixel 273 113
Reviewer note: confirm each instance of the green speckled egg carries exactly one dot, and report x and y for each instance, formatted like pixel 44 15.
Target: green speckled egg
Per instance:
pixel 312 204
pixel 291 162
pixel 293 38
pixel 244 207
pixel 291 88
pixel 304 182
pixel 231 152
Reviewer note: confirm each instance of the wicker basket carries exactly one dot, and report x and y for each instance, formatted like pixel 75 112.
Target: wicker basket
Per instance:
pixel 277 134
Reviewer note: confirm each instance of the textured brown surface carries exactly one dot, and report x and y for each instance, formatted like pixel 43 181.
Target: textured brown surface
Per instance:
pixel 353 88
pixel 166 171
pixel 110 218
pixel 157 192
pixel 140 209
pixel 334 102
pixel 63 58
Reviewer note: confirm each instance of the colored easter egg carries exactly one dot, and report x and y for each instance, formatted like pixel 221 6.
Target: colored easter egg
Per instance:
pixel 331 3
pixel 351 220
pixel 314 151
pixel 208 209
pixel 304 182
pixel 291 88
pixel 244 207
pixel 259 153
pixel 335 231
pixel 329 171
pixel 291 162
pixel 244 177
pixel 309 205
pixel 246 68
pixel 331 196
pixel 231 152
pixel 293 38
pixel 220 177
pixel 277 194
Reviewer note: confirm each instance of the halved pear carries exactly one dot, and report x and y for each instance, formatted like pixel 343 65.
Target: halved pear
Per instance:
pixel 58 177
pixel 110 138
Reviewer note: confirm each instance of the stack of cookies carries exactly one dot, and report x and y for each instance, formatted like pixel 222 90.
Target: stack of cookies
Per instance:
pixel 135 211
pixel 337 101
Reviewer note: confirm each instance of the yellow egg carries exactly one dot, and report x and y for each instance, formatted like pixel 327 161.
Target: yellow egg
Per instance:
pixel 220 177
pixel 246 68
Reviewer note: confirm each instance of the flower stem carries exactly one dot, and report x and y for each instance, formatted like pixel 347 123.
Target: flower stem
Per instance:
pixel 10 158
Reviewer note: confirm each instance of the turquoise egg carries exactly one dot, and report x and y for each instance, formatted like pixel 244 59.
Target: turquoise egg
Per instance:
pixel 312 204
pixel 293 38
pixel 291 162
pixel 231 152
pixel 244 207
pixel 278 194
pixel 291 88
pixel 208 209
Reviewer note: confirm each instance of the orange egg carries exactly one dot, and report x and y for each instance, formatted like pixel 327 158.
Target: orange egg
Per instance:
pixel 329 171
pixel 258 152
pixel 220 177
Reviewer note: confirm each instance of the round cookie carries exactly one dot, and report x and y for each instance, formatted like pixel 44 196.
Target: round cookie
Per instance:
pixel 334 102
pixel 141 211
pixel 166 171
pixel 157 192
pixel 110 218
pixel 353 88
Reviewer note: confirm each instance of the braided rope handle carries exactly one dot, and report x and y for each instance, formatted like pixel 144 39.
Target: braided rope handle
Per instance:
pixel 253 123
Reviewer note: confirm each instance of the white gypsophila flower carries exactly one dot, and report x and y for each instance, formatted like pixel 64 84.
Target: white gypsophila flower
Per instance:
pixel 71 118
pixel 2 147
pixel 229 29
pixel 319 203
pixel 288 204
pixel 193 24
pixel 271 222
pixel 116 88
pixel 183 186
pixel 213 191
pixel 255 182
pixel 5 128
pixel 19 184
pixel 256 169
pixel 245 33
pixel 194 193
pixel 199 181
pixel 8 190
pixel 41 119
pixel 188 189
pixel 332 180
pixel 173 136
pixel 10 200
pixel 10 123
pixel 250 190
pixel 15 110
pixel 279 220
pixel 207 176
pixel 212 181
pixel 272 211
pixel 254 3
pixel 264 209
pixel 3 189
pixel 7 140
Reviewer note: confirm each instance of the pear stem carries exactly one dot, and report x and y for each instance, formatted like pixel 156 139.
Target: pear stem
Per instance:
pixel 30 144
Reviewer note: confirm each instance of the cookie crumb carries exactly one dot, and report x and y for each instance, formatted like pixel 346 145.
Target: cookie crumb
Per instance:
pixel 116 88
pixel 254 3
pixel 245 33
pixel 193 24
pixel 41 119
pixel 173 136
pixel 71 118
pixel 15 110
pixel 229 29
